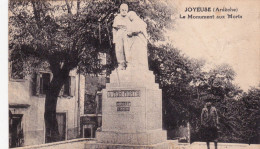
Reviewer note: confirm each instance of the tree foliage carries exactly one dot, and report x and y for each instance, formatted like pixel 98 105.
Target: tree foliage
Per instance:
pixel 66 35
pixel 187 85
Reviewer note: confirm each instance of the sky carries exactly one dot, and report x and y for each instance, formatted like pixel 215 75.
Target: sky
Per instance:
pixel 232 41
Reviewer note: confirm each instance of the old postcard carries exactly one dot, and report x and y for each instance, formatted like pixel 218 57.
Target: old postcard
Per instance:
pixel 134 74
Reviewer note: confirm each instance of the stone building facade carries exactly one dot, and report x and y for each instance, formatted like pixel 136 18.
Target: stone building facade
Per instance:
pixel 26 108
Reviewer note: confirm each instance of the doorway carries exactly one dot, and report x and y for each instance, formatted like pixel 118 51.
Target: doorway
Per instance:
pixel 87 133
pixel 61 119
pixel 16 135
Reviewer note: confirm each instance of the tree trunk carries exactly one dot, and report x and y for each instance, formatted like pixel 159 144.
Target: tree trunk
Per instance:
pixel 51 125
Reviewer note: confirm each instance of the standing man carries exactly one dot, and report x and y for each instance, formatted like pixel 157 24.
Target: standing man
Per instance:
pixel 120 36
pixel 209 124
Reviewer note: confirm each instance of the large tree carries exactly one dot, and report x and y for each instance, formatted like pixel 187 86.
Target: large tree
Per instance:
pixel 249 116
pixel 64 35
pixel 187 84
pixel 173 72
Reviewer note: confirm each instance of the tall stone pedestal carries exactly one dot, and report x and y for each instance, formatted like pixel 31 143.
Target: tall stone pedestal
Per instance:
pixel 132 111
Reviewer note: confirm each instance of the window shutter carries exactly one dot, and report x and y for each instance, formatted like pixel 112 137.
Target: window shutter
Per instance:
pixel 37 84
pixel 72 85
pixel 61 91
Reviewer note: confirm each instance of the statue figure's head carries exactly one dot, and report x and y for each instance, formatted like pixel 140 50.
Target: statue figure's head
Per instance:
pixel 123 10
pixel 132 15
pixel 208 105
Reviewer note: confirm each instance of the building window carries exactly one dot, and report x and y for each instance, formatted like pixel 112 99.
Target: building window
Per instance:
pixel 69 87
pixel 44 83
pixel 66 91
pixel 89 104
pixel 41 83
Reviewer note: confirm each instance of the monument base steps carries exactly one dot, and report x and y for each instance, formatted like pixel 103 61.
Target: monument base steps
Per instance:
pixel 163 145
pixel 146 138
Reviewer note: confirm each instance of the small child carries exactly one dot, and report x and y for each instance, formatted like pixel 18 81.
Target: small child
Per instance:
pixel 120 35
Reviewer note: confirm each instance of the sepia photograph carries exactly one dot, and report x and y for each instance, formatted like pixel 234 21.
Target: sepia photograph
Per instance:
pixel 133 74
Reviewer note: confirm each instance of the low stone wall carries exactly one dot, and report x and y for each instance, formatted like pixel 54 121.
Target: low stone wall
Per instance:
pixel 69 144
pixel 201 145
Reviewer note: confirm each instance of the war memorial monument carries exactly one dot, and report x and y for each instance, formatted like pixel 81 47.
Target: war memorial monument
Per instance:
pixel 132 101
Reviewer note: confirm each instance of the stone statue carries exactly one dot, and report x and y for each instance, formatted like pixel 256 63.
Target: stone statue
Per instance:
pixel 119 35
pixel 137 42
pixel 130 38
